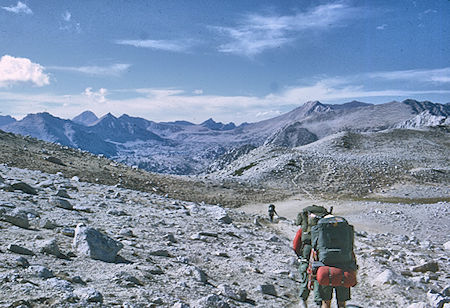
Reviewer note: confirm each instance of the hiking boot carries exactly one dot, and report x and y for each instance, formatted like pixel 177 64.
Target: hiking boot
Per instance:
pixel 302 303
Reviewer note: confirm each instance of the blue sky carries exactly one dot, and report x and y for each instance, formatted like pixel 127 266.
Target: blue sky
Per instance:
pixel 230 60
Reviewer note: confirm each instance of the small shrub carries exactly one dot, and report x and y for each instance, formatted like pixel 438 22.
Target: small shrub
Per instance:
pixel 240 171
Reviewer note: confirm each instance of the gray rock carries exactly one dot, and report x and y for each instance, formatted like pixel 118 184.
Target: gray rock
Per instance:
pixel 418 305
pixel 20 250
pixel 126 280
pixel 117 213
pixel 170 237
pixel 180 305
pixel 160 253
pixel 48 224
pixel 54 160
pixel 63 194
pixel 45 184
pixel 446 291
pixel 427 267
pixel 226 290
pixel 68 232
pixel 40 271
pixel 436 299
pixel 447 245
pixel 17 217
pixel 211 301
pixel 50 247
pixel 225 219
pixel 59 284
pixel 200 275
pixel 22 262
pixel 62 203
pixel 24 187
pixel 89 295
pixel 386 277
pixel 268 289
pixel 126 233
pixel 256 222
pixel 94 244
pixel 78 279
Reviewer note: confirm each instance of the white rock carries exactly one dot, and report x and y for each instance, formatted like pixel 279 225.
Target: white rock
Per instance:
pixel 94 244
pixel 40 271
pixel 447 246
pixel 386 277
pixel 89 294
pixel 418 305
pixel 211 301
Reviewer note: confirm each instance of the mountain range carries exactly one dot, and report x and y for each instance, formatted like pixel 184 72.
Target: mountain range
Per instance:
pixel 186 148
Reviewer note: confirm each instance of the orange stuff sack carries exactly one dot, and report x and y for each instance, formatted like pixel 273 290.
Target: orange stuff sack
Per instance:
pixel 336 277
pixel 297 244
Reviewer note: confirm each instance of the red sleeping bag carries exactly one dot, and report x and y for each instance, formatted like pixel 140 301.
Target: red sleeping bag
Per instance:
pixel 297 245
pixel 336 277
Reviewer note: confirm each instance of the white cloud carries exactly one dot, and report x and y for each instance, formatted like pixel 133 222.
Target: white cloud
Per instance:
pixel 98 96
pixel 441 75
pixel 258 33
pixel 19 8
pixel 13 70
pixel 430 11
pixel 168 104
pixel 382 27
pixel 112 70
pixel 167 45
pixel 66 16
pixel 198 92
pixel 68 24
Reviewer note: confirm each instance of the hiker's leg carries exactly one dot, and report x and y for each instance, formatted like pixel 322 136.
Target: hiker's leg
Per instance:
pixel 325 293
pixel 317 298
pixel 326 304
pixel 304 262
pixel 342 295
pixel 304 291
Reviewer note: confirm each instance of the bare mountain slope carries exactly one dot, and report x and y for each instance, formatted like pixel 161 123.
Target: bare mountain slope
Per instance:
pixel 185 148
pixel 349 163
pixel 34 154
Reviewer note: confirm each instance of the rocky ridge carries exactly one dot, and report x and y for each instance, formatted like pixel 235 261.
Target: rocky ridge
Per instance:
pixel 349 164
pixel 188 149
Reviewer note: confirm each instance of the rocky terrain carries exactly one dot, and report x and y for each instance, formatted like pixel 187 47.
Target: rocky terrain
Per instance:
pixel 79 230
pixel 350 164
pixel 30 153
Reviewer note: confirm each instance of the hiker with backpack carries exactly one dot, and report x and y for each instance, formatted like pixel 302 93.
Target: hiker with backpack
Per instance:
pixel 307 218
pixel 272 212
pixel 332 264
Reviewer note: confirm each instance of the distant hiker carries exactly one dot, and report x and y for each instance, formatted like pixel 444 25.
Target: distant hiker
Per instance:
pixel 332 260
pixel 307 218
pixel 272 212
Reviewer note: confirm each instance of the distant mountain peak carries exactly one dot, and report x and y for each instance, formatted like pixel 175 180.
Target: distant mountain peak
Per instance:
pixel 350 105
pixel 211 124
pixel 85 118
pixel 5 120
pixel 315 107
pixel 312 104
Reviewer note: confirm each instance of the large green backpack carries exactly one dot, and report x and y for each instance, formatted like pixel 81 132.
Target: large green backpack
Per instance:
pixel 307 222
pixel 332 238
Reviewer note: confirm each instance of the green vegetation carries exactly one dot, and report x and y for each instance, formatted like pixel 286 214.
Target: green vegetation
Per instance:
pixel 240 171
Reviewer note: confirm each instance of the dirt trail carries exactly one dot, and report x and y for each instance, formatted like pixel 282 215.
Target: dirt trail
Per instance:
pixel 353 211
